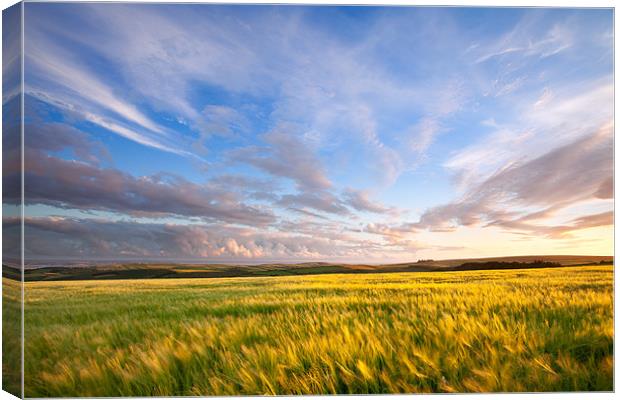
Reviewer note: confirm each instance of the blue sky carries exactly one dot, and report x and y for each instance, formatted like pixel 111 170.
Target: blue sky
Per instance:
pixel 259 133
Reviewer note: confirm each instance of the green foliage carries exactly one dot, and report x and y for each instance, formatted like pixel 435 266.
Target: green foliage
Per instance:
pixel 475 331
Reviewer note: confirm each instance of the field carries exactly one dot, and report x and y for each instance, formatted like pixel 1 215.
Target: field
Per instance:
pixel 410 332
pixel 132 270
pixel 11 336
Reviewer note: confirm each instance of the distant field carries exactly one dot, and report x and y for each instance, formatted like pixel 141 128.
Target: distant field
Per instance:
pixel 159 270
pixel 473 331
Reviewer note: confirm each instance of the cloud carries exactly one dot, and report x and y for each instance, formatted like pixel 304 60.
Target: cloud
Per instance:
pixel 184 79
pixel 224 121
pixel 288 157
pixel 69 238
pixel 423 134
pixel 168 55
pixel 11 56
pixel 360 201
pixel 78 83
pixel 221 121
pixel 400 237
pixel 606 189
pixel 157 56
pixel 564 231
pixel 64 78
pixel 304 211
pixel 243 183
pixel 335 231
pixel 588 221
pixel 545 97
pixel 79 112
pixel 177 47
pixel 78 185
pixel 55 137
pixel 525 40
pixel 327 202
pixel 50 237
pixel 576 172
pixel 448 100
pixel 391 232
pixel 536 50
pixel 575 111
pixel 571 172
pixel 318 200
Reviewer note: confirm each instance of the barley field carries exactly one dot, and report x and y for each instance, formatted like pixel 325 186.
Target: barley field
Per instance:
pixel 11 336
pixel 473 331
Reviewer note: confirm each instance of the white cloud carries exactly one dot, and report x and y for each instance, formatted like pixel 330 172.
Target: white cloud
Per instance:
pixel 523 40
pixel 55 65
pixel 107 123
pixel 575 112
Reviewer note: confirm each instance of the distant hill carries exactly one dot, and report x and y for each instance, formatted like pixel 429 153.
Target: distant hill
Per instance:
pixel 563 260
pixel 169 270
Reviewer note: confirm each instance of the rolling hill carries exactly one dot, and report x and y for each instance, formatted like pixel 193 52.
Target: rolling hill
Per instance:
pixel 171 270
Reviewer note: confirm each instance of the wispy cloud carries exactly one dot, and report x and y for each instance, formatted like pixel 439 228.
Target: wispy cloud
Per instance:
pixel 577 111
pixel 526 40
pixel 96 238
pixel 323 201
pixel 83 184
pixel 286 156
pixel 360 201
pixel 576 172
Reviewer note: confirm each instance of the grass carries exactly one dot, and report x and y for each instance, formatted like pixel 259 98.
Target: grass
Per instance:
pixel 11 336
pixel 473 331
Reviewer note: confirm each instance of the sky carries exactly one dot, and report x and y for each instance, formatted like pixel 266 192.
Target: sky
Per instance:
pixel 299 133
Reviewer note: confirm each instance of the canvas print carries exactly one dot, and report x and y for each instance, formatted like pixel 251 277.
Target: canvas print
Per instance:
pixel 205 199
